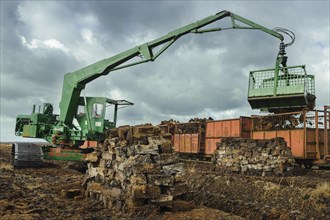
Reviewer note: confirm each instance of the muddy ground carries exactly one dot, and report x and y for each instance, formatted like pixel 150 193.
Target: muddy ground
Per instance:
pixel 35 193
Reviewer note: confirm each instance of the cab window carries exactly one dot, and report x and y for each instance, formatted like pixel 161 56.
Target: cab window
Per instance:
pixel 80 110
pixel 97 111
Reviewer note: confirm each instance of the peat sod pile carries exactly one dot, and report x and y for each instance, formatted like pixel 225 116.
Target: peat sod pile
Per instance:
pixel 135 171
pixel 254 157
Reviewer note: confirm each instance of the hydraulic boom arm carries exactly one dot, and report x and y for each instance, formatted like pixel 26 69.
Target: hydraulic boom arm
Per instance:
pixel 75 82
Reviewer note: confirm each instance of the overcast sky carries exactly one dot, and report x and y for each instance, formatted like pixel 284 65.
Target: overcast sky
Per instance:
pixel 198 76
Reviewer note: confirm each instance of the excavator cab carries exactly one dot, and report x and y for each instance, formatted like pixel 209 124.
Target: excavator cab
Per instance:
pixel 282 89
pixel 91 114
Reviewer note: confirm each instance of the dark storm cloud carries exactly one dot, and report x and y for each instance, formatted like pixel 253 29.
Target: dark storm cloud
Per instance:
pixel 28 72
pixel 200 75
pixel 121 21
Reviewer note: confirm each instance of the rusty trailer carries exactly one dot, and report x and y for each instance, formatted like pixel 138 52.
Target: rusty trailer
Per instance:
pixel 306 133
pixel 200 138
pixel 216 130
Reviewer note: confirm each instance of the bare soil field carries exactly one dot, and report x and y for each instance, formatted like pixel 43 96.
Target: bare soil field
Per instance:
pixel 35 193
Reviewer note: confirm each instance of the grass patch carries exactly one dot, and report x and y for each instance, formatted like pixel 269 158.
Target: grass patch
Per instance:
pixel 321 190
pixel 319 197
pixel 5 165
pixel 191 167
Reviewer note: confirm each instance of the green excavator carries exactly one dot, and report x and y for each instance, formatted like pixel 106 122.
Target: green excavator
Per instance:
pixel 279 89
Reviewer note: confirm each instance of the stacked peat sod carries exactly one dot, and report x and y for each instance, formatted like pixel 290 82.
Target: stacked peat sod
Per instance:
pixel 254 157
pixel 135 171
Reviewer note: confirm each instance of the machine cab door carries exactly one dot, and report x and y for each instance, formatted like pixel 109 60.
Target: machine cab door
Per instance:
pixel 97 116
pixel 90 114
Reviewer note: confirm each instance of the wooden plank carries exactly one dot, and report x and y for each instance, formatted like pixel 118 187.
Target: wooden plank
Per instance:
pixel 176 143
pixel 194 143
pixel 187 143
pixel 297 143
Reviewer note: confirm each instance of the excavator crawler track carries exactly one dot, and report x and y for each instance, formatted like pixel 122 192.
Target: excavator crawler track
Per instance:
pixel 27 155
